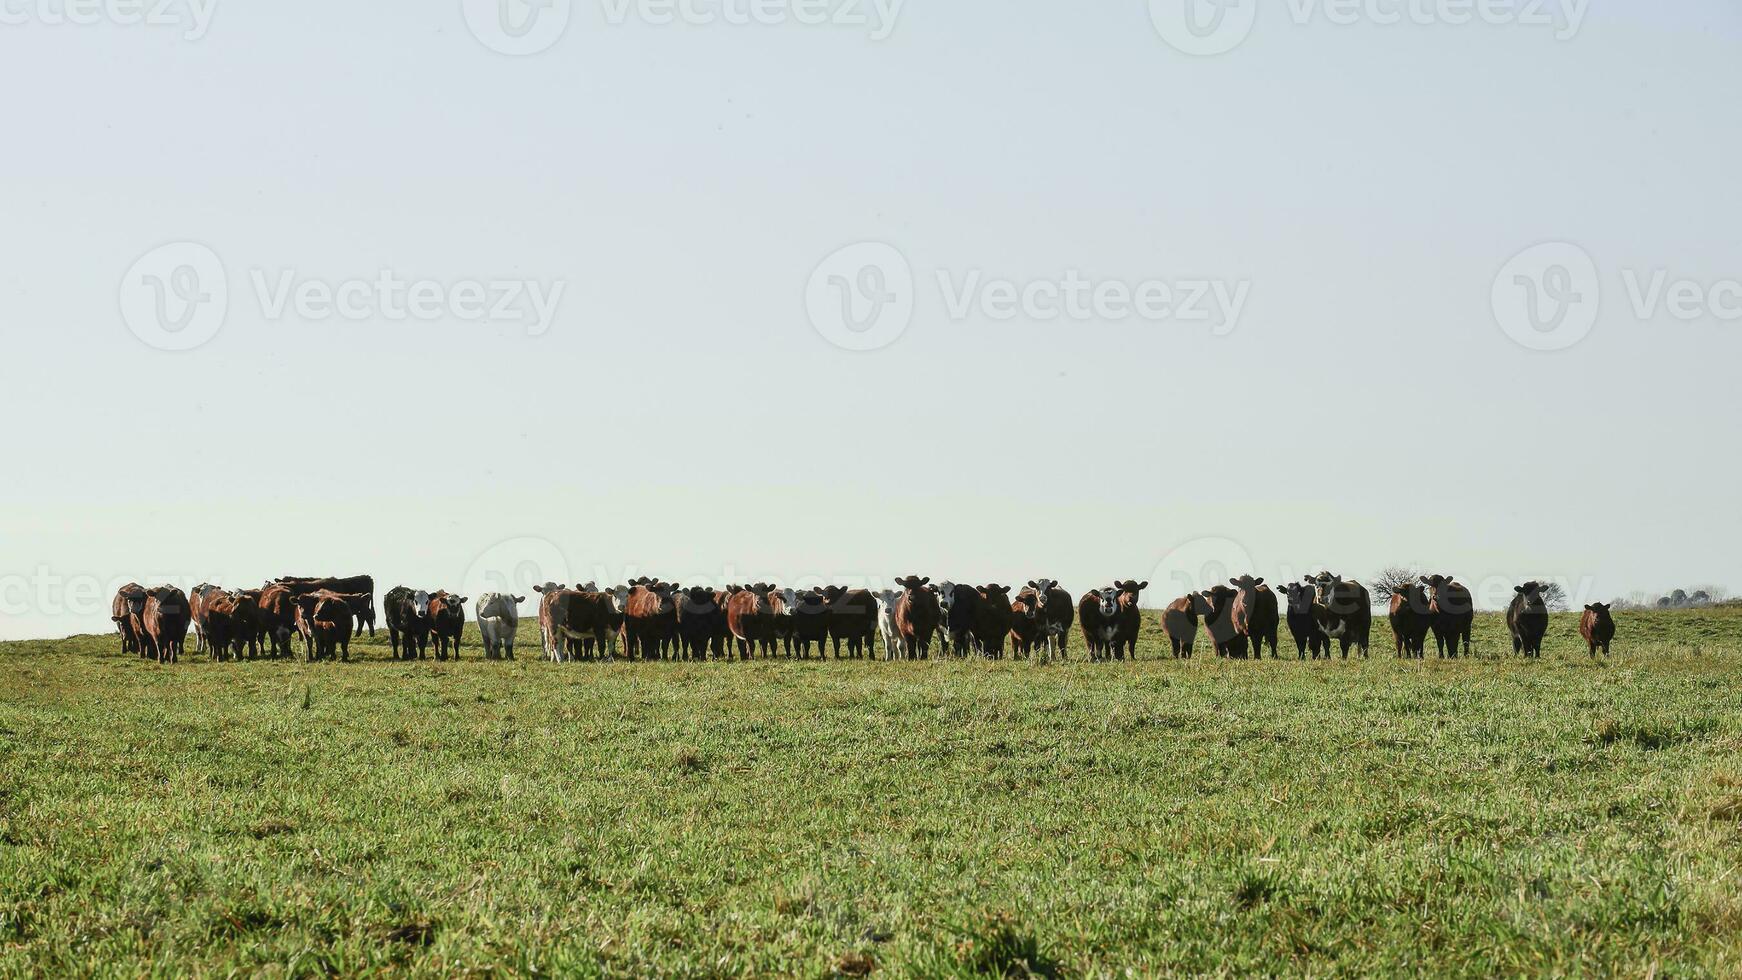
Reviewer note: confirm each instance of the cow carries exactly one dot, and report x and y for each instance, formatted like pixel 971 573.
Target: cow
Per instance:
pixel 1306 621
pixel 701 622
pixel 247 626
pixel 1129 625
pixel 275 614
pixel 1452 612
pixel 325 620
pixel 1098 616
pixel 1597 627
pixel 993 617
pixel 959 609
pixel 362 585
pixel 1255 614
pixel 166 622
pixel 1053 605
pixel 1411 618
pixel 1180 622
pixel 916 617
pixel 852 617
pixel 127 612
pixel 750 613
pixel 447 623
pixel 408 622
pixel 498 619
pixel 218 626
pixel 1527 619
pixel 886 600
pixel 809 615
pixel 197 609
pixel 1024 623
pixel 1219 622
pixel 573 621
pixel 1348 611
pixel 649 619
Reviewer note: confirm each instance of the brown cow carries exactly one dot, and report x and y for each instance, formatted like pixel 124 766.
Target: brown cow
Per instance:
pixel 1219 622
pixel 916 616
pixel 1255 614
pixel 315 618
pixel 1597 627
pixel 447 623
pixel 649 619
pixel 574 621
pixel 1024 623
pixel 128 612
pixel 1452 612
pixel 276 618
pixel 352 585
pixel 750 616
pixel 220 630
pixel 1098 617
pixel 1129 619
pixel 1411 618
pixel 166 622
pixel 992 620
pixel 1180 622
pixel 197 609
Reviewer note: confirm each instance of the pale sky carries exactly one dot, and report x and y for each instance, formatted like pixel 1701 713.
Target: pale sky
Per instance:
pixel 682 415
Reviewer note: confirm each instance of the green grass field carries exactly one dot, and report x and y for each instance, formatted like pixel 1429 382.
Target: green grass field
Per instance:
pixel 914 819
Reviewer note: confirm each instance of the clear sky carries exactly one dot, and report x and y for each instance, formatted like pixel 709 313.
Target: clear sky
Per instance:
pixel 683 415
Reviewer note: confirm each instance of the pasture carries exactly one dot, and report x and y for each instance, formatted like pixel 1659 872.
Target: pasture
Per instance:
pixel 1474 817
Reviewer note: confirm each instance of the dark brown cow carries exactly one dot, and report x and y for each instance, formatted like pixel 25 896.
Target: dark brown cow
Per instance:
pixel 220 629
pixel 809 615
pixel 314 617
pixel 1219 623
pixel 1180 622
pixel 750 616
pixel 1129 625
pixel 447 623
pixel 1053 605
pixel 352 585
pixel 1098 617
pixel 1348 611
pixel 128 612
pixel 1527 619
pixel 573 621
pixel 992 620
pixel 853 618
pixel 276 616
pixel 1024 623
pixel 916 616
pixel 701 622
pixel 166 622
pixel 1597 627
pixel 1306 621
pixel 246 628
pixel 1255 614
pixel 649 619
pixel 1453 614
pixel 197 609
pixel 1411 619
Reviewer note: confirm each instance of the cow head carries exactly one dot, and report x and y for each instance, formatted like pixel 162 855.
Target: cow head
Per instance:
pixel 1108 602
pixel 1042 589
pixel 420 604
pixel 1531 594
pixel 1131 588
pixel 1300 597
pixel 547 587
pixel 1246 583
pixel 913 582
pixel 946 596
pixel 998 594
pixel 1600 610
pixel 1323 583
pixel 1220 598
pixel 1025 605
pixel 886 600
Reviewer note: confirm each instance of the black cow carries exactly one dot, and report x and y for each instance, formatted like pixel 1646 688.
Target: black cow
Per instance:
pixel 1527 619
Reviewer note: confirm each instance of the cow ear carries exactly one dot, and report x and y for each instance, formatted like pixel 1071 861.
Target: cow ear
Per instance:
pixel 1590 608
pixel 1032 585
pixel 519 599
pixel 1424 580
pixel 1258 581
pixel 1519 589
pixel 1142 585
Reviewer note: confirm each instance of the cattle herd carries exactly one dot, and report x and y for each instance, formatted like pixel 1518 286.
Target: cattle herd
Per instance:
pixel 655 620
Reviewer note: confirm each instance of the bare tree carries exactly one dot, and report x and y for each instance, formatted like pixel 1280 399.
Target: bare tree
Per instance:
pixel 1554 595
pixel 1390 581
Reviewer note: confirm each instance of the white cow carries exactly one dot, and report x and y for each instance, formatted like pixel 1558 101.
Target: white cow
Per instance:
pixel 886 622
pixel 498 619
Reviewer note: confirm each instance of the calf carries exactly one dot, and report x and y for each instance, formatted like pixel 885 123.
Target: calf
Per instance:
pixel 1527 619
pixel 1180 622
pixel 166 622
pixel 1306 621
pixel 1255 614
pixel 959 607
pixel 498 620
pixel 408 622
pixel 992 619
pixel 1053 605
pixel 127 612
pixel 886 601
pixel 1596 626
pixel 852 617
pixel 916 616
pixel 1130 619
pixel 447 623
pixel 1348 618
pixel 1411 618
pixel 1451 612
pixel 1024 623
pixel 1219 623
pixel 809 616
pixel 1098 615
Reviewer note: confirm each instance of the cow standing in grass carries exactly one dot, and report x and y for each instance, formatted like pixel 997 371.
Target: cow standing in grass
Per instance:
pixel 1411 618
pixel 275 613
pixel 1180 622
pixel 1219 623
pixel 1306 621
pixel 1255 614
pixel 959 607
pixel 1348 611
pixel 1527 619
pixel 166 622
pixel 408 622
pixel 701 622
pixel 1053 605
pixel 1453 614
pixel 1024 623
pixel 993 617
pixel 853 618
pixel 498 621
pixel 447 623
pixel 218 627
pixel 1098 617
pixel 809 613
pixel 197 609
pixel 1130 619
pixel 916 617
pixel 127 612
pixel 1597 627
